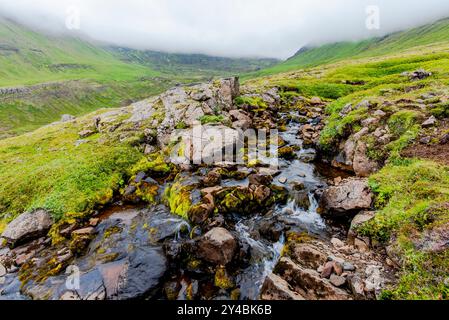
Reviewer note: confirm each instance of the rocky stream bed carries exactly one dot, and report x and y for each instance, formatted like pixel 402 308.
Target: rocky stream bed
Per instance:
pixel 252 232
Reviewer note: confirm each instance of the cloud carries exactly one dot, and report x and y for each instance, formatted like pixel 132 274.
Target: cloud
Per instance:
pixel 236 28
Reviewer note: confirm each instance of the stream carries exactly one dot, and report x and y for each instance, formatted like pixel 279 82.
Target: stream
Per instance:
pixel 293 216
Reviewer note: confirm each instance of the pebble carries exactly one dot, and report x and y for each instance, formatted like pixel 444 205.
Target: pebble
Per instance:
pixel 282 180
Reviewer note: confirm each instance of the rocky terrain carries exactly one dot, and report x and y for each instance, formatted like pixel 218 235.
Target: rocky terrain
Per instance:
pixel 183 231
pixel 348 200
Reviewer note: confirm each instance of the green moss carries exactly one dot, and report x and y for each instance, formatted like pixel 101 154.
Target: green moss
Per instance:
pixel 154 163
pixel 207 119
pixel 222 279
pixel 178 199
pixel 256 103
pixel 181 125
pixel 402 121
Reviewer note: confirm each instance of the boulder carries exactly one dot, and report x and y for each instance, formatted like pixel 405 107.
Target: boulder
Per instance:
pixel 363 166
pixel 307 255
pixel 218 246
pixel 206 144
pixel 28 226
pixel 349 196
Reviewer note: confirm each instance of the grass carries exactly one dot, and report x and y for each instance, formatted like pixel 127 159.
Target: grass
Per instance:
pixel 425 37
pixel 45 169
pixel 413 197
pixel 74 76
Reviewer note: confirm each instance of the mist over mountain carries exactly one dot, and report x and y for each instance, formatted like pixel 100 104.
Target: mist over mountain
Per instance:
pixel 232 28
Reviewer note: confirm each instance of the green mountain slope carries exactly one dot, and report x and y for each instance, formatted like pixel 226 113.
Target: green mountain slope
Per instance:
pixel 195 64
pixel 431 34
pixel 65 74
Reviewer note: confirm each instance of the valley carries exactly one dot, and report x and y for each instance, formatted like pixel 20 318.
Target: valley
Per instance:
pixel 356 209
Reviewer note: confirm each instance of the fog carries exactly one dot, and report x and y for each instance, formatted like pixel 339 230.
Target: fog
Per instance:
pixel 234 28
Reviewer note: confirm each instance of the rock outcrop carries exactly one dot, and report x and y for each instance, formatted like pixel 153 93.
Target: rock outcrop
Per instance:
pixel 28 226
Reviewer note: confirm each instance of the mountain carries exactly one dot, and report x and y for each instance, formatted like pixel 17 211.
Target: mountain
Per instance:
pixel 191 63
pixel 67 74
pixel 430 34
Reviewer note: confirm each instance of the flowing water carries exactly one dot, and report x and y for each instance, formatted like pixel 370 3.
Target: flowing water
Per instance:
pixel 265 254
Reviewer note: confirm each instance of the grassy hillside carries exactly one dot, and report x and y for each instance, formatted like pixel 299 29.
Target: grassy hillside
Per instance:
pixel 436 33
pixel 28 57
pixel 68 75
pixel 412 194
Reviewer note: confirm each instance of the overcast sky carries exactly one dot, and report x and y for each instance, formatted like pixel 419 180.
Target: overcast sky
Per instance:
pixel 263 28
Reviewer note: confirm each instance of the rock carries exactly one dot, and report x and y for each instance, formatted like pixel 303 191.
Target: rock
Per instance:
pixel 357 287
pixel 218 246
pixel 84 232
pixel 307 282
pixel 374 281
pixel 67 118
pixel 275 288
pixel 337 243
pixel 261 193
pixel 338 268
pixel 125 260
pixel 435 240
pixel 379 113
pixel 258 179
pixel 93 222
pixel 149 149
pixel 316 101
pixel 363 166
pixel 358 221
pixel 28 226
pixel 130 190
pixel 348 267
pixel 425 140
pixel 370 121
pixel 307 255
pixel 346 109
pixel 241 120
pixel 419 74
pixel 283 180
pixel 213 178
pixel 349 196
pixel 2 270
pixel 85 133
pixel 206 144
pixel 70 296
pixel 328 268
pixel 432 121
pixel 361 245
pixel 337 281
